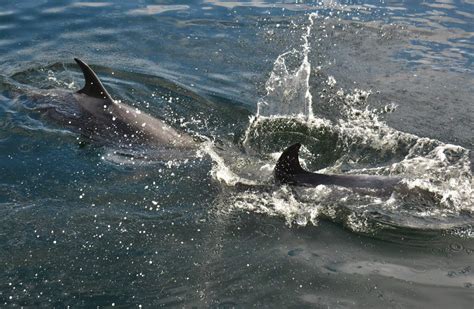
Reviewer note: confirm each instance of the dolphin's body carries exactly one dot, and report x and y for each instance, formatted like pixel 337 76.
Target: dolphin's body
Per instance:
pixel 99 117
pixel 289 171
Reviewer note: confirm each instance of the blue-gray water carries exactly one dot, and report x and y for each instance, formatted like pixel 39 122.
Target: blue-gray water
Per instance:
pixel 369 87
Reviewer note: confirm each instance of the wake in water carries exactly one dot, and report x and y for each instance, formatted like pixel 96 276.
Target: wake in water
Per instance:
pixel 436 190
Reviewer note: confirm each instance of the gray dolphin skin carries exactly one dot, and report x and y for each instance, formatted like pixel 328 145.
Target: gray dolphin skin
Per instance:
pixel 103 117
pixel 98 117
pixel 289 171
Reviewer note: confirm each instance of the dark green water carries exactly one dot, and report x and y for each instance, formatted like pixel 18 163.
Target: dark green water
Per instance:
pixel 83 226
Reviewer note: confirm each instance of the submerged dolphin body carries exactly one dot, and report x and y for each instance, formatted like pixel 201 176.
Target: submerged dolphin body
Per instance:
pixel 288 170
pixel 98 117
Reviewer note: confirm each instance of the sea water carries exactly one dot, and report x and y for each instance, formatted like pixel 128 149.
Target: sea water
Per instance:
pixel 374 87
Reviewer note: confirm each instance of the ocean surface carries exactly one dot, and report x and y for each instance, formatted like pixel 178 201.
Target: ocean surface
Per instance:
pixel 368 87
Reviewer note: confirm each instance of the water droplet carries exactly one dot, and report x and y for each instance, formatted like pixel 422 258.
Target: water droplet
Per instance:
pixel 456 247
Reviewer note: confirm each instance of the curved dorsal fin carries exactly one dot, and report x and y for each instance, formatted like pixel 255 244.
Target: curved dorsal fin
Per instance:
pixel 93 87
pixel 288 164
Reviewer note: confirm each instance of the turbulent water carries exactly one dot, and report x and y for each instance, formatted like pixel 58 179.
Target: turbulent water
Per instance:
pixel 381 88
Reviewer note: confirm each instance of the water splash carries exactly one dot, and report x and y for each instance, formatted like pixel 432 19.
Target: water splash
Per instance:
pixel 436 192
pixel 288 90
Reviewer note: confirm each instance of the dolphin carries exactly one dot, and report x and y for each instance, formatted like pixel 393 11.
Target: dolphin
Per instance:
pixel 99 117
pixel 289 171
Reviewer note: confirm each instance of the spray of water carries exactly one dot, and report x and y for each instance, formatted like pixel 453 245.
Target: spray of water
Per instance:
pixel 288 90
pixel 436 192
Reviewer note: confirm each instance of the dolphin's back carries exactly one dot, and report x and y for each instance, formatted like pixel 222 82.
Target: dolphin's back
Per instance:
pixel 103 118
pixel 288 170
pixel 348 181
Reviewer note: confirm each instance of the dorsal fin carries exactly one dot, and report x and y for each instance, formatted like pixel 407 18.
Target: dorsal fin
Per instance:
pixel 288 164
pixel 93 87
